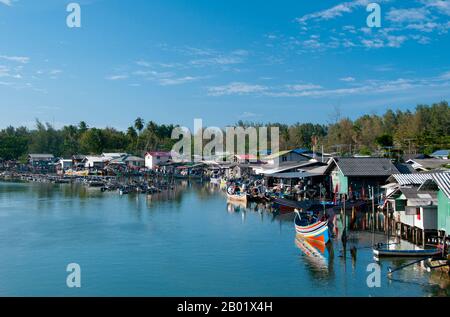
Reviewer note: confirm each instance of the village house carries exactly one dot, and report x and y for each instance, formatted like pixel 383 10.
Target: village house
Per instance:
pixel 284 157
pixel 128 161
pixel 134 161
pixel 443 182
pixel 415 208
pixel 350 175
pixel 245 158
pixel 235 170
pixel 95 162
pixel 40 160
pixel 63 165
pixel 111 156
pixel 441 154
pixel 155 159
pixel 78 160
pixel 428 164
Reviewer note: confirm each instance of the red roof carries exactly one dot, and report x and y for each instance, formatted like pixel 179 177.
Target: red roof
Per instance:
pixel 246 157
pixel 160 154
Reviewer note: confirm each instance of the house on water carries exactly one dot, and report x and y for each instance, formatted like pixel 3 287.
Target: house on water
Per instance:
pixel 95 162
pixel 281 157
pixel 41 162
pixel 443 182
pixel 353 176
pixel 155 159
pixel 413 203
pixel 63 165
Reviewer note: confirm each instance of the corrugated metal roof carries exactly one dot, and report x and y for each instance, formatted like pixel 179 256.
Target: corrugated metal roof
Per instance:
pixel 411 179
pixel 370 166
pixel 417 197
pixel 302 174
pixel 278 154
pixel 443 181
pixel 404 168
pixel 41 156
pixel 441 153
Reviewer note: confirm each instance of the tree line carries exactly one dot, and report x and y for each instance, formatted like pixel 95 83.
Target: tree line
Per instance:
pixel 423 130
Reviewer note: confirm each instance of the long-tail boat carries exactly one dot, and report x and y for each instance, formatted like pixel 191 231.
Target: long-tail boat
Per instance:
pixel 311 227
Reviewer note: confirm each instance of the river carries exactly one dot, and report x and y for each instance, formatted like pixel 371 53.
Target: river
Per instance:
pixel 190 243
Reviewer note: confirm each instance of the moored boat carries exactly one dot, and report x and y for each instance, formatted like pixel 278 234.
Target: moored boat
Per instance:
pixel 310 227
pixel 234 193
pixel 238 197
pixel 215 180
pixel 420 253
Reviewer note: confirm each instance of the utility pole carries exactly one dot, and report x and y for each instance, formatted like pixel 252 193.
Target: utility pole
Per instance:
pixel 373 214
pixel 409 144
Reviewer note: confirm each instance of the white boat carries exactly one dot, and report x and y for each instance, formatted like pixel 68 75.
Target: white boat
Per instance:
pixel 215 180
pixel 383 252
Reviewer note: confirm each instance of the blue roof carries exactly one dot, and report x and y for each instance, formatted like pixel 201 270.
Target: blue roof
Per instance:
pixel 441 153
pixel 306 152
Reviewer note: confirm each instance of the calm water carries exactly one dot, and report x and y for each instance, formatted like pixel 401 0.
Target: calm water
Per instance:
pixel 191 245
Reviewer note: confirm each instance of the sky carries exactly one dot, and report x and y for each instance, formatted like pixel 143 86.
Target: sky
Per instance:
pixel 171 61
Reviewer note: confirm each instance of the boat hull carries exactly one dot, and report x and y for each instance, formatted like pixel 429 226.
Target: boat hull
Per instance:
pixel 406 253
pixel 317 231
pixel 239 198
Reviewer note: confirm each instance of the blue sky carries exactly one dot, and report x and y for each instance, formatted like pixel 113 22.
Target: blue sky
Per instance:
pixel 172 61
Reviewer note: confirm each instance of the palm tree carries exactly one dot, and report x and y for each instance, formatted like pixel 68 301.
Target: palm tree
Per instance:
pixel 139 124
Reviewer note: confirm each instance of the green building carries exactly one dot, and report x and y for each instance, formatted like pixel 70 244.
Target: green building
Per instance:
pixel 443 182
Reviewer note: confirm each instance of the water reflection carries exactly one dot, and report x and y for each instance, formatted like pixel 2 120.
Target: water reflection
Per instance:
pixel 318 256
pixel 163 244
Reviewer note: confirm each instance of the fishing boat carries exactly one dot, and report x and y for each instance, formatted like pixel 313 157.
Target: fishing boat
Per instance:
pixel 242 197
pixel 234 193
pixel 311 227
pixel 420 253
pixel 215 180
pixel 285 206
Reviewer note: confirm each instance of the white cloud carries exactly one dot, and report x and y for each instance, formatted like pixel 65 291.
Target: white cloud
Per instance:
pixel 441 5
pixel 427 27
pixel 177 81
pixel 347 79
pixel 334 12
pixel 396 41
pixel 247 115
pixel 303 87
pixel 374 43
pixel 55 71
pixel 116 77
pixel 18 59
pixel 366 88
pixel 6 2
pixel 446 75
pixel 236 88
pixel 143 63
pixel 407 15
pixel 217 60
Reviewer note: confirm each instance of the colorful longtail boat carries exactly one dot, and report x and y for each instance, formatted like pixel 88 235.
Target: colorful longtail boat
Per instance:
pixel 310 227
